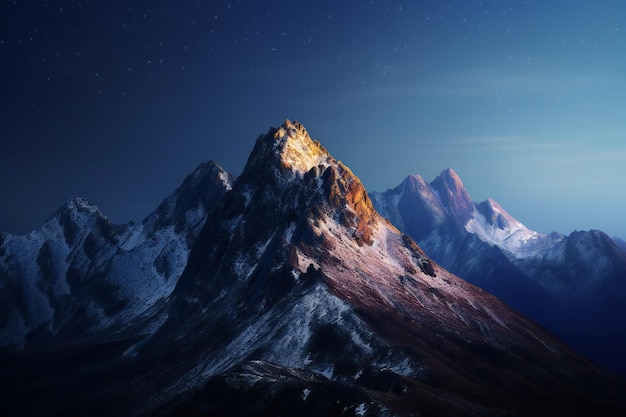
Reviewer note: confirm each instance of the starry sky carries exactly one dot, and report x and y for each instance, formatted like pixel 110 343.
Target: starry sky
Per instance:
pixel 118 101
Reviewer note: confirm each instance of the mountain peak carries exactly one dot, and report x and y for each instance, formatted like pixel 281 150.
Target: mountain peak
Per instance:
pixel 453 195
pixel 296 150
pixel 414 180
pixel 497 217
pixel 287 159
pixel 451 173
pixel 80 204
pixel 190 202
pixel 452 181
pixel 286 152
pixel 75 215
pixel 78 209
pixel 213 170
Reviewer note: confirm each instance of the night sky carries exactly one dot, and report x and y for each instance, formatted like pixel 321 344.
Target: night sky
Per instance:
pixel 116 101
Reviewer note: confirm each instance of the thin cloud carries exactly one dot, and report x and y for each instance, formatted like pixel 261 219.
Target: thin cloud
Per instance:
pixel 508 143
pixel 487 83
pixel 481 84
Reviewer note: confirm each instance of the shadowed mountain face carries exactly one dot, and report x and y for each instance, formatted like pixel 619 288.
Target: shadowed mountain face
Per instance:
pixel 574 285
pixel 298 298
pixel 79 272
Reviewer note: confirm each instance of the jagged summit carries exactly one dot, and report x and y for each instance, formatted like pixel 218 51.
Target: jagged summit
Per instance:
pixel 297 150
pixel 298 173
pixel 453 194
pixel 288 148
pixel 190 201
pixel 414 179
pixel 497 217
pixel 77 207
pixel 213 168
pixel 446 200
pixel 79 203
pixel 494 225
pixel 75 215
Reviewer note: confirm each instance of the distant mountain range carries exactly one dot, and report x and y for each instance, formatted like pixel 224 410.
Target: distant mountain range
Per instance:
pixel 281 292
pixel 574 285
pixel 79 272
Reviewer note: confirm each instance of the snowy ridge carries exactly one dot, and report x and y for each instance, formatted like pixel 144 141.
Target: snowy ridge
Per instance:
pixel 79 258
pixel 487 219
pixel 502 230
pixel 23 259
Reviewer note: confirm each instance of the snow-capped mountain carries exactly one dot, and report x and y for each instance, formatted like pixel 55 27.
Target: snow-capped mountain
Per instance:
pixel 492 224
pixel 81 272
pixel 574 285
pixel 298 298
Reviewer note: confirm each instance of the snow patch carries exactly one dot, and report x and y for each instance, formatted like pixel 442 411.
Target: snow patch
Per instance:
pixel 134 238
pixel 403 368
pixel 242 267
pixel 511 235
pixel 328 371
pixel 263 246
pixel 247 195
pixel 495 317
pixel 225 180
pixel 305 394
pixel 289 232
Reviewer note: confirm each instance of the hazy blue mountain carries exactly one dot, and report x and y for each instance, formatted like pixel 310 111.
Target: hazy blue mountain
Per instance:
pixel 574 285
pixel 620 243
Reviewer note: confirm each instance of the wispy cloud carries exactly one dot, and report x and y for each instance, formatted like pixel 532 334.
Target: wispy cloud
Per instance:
pixel 486 83
pixel 507 144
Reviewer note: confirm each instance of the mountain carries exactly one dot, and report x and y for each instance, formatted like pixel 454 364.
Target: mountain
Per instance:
pixel 574 285
pixel 79 272
pixel 436 215
pixel 620 243
pixel 298 298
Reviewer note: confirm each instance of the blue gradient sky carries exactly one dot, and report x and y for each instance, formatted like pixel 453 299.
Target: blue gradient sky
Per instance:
pixel 526 100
